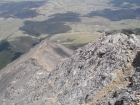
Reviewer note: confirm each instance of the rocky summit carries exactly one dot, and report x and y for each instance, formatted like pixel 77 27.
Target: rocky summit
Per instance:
pixel 103 72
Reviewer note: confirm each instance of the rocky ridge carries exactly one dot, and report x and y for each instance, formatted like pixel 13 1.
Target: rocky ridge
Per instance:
pixel 103 72
pixel 24 79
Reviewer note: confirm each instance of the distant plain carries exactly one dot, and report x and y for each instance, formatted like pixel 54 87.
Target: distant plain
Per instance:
pixel 25 23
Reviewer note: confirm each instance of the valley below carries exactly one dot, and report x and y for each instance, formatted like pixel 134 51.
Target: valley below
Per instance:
pixel 24 24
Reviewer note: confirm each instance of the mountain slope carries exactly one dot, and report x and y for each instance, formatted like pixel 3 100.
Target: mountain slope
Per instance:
pixel 21 79
pixel 104 72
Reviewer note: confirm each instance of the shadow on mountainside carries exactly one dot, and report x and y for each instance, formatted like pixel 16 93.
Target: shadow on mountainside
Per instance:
pixel 9 51
pixel 19 9
pixel 6 54
pixel 116 15
pixel 136 61
pixel 61 52
pixel 54 25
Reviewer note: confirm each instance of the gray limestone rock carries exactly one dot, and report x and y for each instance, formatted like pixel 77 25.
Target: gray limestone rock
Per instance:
pixel 103 72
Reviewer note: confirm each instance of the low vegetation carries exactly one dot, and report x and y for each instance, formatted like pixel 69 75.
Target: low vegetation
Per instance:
pixel 7 55
pixel 131 31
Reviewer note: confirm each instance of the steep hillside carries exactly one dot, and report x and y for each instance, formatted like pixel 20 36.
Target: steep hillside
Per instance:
pixel 22 78
pixel 104 72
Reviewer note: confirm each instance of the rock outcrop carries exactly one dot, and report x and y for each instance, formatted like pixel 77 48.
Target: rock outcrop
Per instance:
pixel 103 72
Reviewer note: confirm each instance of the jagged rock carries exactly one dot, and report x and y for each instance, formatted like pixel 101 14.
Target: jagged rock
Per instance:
pixel 103 72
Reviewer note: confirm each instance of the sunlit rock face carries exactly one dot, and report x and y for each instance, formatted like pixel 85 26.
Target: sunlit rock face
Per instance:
pixel 103 72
